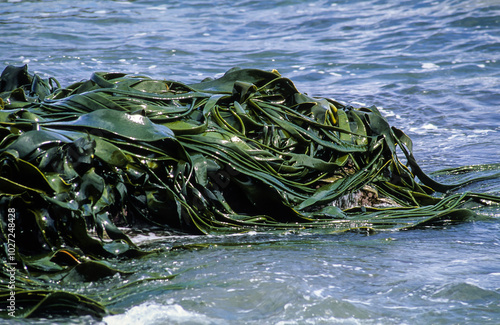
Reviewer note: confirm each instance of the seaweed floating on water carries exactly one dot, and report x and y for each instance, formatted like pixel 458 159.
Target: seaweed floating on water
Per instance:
pixel 243 152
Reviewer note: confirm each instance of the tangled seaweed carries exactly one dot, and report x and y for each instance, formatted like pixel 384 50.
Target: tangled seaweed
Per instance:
pixel 244 152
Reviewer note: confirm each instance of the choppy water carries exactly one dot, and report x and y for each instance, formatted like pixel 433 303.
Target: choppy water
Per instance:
pixel 432 66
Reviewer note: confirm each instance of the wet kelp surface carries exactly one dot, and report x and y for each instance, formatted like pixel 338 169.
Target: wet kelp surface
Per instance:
pixel 243 152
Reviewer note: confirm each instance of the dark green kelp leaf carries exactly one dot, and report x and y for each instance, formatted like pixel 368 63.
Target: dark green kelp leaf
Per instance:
pixel 19 175
pixel 225 84
pixel 43 303
pixel 14 77
pixel 134 127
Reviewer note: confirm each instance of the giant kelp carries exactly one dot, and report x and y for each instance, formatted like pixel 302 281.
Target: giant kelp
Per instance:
pixel 246 151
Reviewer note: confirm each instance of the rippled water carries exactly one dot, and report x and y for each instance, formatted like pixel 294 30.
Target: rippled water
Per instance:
pixel 432 66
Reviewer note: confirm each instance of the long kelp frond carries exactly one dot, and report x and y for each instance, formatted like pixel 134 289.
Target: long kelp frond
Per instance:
pixel 243 152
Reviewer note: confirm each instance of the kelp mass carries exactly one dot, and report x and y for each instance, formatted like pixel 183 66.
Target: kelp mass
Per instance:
pixel 246 151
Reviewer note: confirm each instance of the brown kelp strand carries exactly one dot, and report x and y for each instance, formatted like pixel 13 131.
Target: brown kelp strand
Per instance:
pixel 246 151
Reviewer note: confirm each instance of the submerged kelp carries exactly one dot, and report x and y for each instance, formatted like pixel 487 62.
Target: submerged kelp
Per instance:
pixel 243 152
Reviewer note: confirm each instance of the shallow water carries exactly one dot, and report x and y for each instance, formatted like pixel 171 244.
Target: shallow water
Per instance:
pixel 433 67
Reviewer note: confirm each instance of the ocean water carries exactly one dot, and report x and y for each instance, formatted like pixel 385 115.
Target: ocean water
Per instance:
pixel 432 67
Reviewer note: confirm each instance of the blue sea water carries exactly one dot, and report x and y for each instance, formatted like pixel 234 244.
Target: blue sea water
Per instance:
pixel 432 68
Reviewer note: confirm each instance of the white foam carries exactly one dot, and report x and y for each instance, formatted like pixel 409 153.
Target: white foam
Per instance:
pixel 429 126
pixel 359 103
pixel 142 238
pixel 157 8
pixel 385 112
pixel 423 129
pixel 430 66
pixel 152 313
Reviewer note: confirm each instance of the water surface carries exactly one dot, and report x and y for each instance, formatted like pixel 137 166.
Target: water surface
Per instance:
pixel 433 67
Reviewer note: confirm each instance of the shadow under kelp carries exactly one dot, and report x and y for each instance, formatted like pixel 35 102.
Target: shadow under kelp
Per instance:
pixel 244 152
